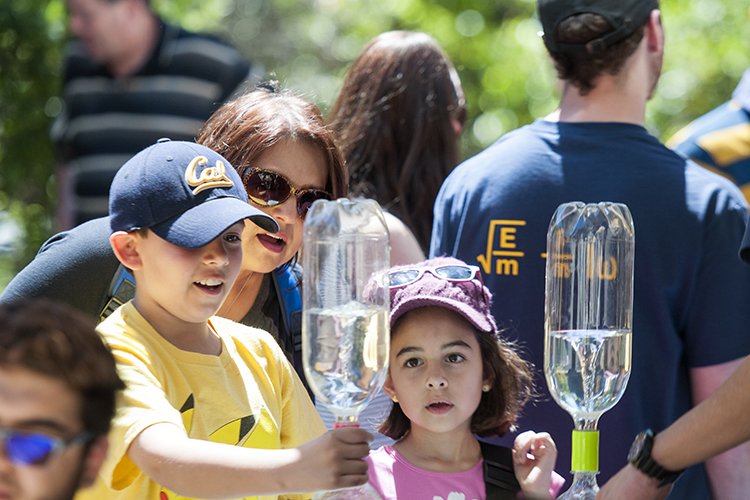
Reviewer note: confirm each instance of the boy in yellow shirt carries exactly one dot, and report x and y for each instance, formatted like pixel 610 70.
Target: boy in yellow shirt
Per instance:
pixel 212 408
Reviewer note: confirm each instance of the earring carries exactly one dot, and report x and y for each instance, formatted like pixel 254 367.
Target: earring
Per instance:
pixel 395 398
pixel 486 387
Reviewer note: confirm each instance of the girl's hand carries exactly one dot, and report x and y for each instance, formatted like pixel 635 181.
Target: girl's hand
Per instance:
pixel 534 456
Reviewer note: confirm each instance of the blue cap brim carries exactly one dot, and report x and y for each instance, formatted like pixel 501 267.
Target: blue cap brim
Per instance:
pixel 203 223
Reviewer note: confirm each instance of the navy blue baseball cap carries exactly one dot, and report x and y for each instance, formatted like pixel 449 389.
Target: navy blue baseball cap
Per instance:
pixel 625 16
pixel 184 192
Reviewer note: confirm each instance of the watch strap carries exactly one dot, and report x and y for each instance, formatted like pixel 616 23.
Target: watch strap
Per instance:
pixel 640 457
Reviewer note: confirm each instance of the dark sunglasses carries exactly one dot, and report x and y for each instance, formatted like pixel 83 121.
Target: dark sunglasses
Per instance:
pixel 268 189
pixel 23 448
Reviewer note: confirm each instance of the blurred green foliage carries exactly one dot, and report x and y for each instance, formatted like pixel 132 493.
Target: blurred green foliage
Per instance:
pixel 31 35
pixel 308 45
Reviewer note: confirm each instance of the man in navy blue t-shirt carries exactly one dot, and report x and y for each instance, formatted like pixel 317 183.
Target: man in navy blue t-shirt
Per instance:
pixel 690 314
pixel 717 424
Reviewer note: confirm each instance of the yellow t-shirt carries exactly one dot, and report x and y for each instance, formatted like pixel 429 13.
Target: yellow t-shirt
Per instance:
pixel 248 396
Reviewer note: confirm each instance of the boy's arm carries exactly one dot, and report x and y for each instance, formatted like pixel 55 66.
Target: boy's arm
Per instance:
pixel 202 469
pixel 534 456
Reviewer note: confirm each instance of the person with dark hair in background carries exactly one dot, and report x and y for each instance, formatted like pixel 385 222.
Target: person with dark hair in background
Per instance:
pixel 690 314
pixel 397 120
pixel 130 79
pixel 58 384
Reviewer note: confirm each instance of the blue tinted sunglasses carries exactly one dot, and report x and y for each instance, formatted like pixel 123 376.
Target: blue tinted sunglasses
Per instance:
pixel 404 277
pixel 450 272
pixel 24 448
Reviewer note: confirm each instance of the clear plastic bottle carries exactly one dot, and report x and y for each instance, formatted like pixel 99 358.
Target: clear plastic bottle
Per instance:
pixel 588 323
pixel 345 308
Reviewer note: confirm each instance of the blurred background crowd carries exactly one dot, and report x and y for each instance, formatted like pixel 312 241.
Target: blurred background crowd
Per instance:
pixel 309 44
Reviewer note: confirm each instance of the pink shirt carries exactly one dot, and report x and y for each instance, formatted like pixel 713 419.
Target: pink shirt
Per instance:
pixel 395 478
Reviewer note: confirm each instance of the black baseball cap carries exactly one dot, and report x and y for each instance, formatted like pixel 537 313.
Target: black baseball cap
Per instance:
pixel 625 16
pixel 184 192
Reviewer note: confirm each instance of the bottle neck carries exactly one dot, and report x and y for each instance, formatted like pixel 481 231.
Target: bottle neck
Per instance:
pixel 584 487
pixel 586 424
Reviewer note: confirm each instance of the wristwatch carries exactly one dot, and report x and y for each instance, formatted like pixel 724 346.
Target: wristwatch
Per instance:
pixel 640 457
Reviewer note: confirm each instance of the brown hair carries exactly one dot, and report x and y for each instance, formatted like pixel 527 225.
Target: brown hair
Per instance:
pixel 582 69
pixel 53 339
pixel 499 408
pixel 392 120
pixel 242 129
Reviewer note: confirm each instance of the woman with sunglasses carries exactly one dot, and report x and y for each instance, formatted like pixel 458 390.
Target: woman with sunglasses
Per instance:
pixel 279 144
pixel 287 158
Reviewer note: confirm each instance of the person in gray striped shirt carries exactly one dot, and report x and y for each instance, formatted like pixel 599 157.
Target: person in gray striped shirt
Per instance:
pixel 129 80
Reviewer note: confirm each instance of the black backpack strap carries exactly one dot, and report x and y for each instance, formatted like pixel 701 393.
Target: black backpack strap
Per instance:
pixel 121 289
pixel 499 479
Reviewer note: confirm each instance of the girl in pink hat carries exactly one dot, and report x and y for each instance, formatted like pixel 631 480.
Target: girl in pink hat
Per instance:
pixel 452 378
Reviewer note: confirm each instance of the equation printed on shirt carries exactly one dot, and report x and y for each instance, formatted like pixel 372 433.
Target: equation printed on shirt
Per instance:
pixel 502 256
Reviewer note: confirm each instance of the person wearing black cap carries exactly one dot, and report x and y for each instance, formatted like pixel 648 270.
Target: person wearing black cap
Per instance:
pixel 690 314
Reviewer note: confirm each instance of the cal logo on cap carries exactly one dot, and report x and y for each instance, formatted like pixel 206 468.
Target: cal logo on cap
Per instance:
pixel 210 177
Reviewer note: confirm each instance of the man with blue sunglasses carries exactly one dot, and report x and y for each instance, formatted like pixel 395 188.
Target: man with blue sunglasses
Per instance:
pixel 58 383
